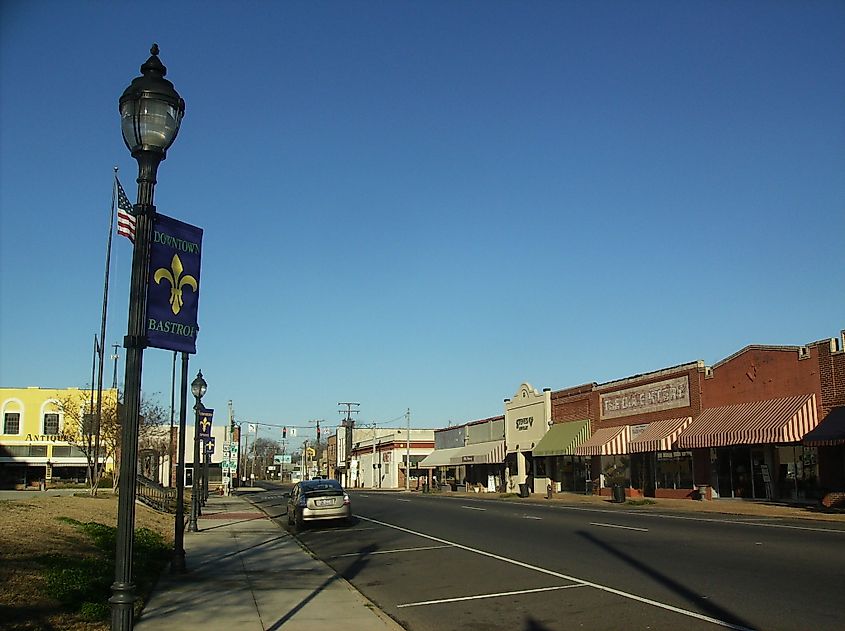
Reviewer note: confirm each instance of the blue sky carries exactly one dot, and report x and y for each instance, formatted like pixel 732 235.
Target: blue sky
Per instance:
pixel 423 204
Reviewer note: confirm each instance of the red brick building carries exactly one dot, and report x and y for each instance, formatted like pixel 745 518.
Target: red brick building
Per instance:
pixel 744 427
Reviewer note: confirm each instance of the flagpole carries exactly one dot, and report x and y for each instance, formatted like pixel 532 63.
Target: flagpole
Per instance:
pixel 103 332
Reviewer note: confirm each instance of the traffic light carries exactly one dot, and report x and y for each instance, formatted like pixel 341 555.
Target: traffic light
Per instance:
pixel 284 432
pixel 318 432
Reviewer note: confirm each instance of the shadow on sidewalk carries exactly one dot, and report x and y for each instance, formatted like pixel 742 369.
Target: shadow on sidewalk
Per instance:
pixel 359 564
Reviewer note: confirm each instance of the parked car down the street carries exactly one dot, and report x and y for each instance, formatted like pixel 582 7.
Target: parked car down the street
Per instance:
pixel 318 500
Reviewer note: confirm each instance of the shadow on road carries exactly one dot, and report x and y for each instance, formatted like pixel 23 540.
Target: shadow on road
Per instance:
pixel 706 607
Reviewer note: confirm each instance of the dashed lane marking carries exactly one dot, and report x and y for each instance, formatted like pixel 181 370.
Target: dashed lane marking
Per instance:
pixel 595 523
pixel 496 595
pixel 357 554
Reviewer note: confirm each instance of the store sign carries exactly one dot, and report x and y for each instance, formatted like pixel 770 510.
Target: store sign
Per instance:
pixel 654 397
pixel 467 458
pixel 636 430
pixel 523 424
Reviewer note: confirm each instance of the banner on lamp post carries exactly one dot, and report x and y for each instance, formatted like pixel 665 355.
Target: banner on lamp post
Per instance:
pixel 173 285
pixel 206 417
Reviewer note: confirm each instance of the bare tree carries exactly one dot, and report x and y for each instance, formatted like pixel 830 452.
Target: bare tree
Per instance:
pixel 263 451
pixel 80 428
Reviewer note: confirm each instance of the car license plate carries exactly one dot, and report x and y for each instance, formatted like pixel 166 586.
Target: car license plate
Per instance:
pixel 324 502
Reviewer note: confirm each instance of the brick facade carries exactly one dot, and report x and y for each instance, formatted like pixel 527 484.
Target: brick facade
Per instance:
pixel 831 362
pixel 759 373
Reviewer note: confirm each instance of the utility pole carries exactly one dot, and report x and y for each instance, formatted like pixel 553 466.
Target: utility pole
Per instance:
pixel 408 451
pixel 374 455
pixel 228 437
pixel 348 424
pixel 254 454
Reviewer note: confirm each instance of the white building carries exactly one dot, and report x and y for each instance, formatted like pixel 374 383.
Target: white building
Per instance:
pixel 379 457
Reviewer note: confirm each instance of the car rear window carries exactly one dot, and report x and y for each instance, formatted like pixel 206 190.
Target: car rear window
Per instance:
pixel 322 487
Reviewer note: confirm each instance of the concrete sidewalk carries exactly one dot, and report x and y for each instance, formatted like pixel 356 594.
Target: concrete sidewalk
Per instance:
pixel 245 572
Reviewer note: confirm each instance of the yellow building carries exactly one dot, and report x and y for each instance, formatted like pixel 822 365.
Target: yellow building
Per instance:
pixel 45 434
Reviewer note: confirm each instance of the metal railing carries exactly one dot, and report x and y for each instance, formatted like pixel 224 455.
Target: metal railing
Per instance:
pixel 154 495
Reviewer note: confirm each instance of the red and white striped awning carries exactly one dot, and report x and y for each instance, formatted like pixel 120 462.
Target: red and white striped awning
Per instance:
pixel 607 441
pixel 773 421
pixel 659 435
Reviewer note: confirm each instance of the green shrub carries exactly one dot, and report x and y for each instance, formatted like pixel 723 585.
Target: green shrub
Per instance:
pixel 74 580
pixel 84 584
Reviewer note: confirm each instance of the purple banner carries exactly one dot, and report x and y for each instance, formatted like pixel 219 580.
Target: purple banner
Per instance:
pixel 206 417
pixel 173 288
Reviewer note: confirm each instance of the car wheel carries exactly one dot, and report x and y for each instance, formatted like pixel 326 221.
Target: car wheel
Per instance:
pixel 298 523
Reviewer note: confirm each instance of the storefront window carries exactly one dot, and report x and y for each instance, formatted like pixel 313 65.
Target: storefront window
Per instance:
pixel 798 472
pixel 616 470
pixel 674 470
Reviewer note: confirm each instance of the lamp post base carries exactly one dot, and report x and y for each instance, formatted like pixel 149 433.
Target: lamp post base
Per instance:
pixel 122 606
pixel 177 563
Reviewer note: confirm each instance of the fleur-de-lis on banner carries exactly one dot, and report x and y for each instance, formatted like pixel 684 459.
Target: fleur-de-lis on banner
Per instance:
pixel 177 281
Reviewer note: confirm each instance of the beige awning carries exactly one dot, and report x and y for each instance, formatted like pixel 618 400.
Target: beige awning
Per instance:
pixel 489 452
pixel 440 457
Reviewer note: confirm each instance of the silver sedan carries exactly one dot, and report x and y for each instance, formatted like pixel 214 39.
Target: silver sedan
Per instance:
pixel 313 500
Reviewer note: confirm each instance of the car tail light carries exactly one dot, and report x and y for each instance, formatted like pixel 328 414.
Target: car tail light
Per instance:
pixel 303 502
pixel 346 501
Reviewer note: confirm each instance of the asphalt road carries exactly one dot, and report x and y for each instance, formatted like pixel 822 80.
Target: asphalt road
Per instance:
pixel 438 563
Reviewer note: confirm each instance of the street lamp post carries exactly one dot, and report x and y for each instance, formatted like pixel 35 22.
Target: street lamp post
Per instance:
pixel 178 563
pixel 150 113
pixel 198 389
pixel 206 446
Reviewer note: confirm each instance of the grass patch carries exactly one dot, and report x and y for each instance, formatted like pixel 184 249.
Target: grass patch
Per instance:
pixel 643 502
pixel 83 584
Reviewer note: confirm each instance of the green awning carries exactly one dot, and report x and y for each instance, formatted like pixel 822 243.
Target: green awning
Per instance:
pixel 562 439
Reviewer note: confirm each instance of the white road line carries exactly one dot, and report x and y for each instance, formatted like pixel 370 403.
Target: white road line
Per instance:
pixel 735 521
pixel 594 523
pixel 402 500
pixel 531 517
pixel 565 577
pixel 336 530
pixel 358 554
pixel 473 508
pixel 481 596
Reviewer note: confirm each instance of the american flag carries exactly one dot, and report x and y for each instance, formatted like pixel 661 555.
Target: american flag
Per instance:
pixel 125 214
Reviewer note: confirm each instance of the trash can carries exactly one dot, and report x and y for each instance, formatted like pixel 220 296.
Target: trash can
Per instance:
pixel 523 490
pixel 618 493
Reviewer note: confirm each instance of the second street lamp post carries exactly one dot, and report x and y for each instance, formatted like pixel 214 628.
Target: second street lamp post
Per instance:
pixel 178 563
pixel 198 389
pixel 150 114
